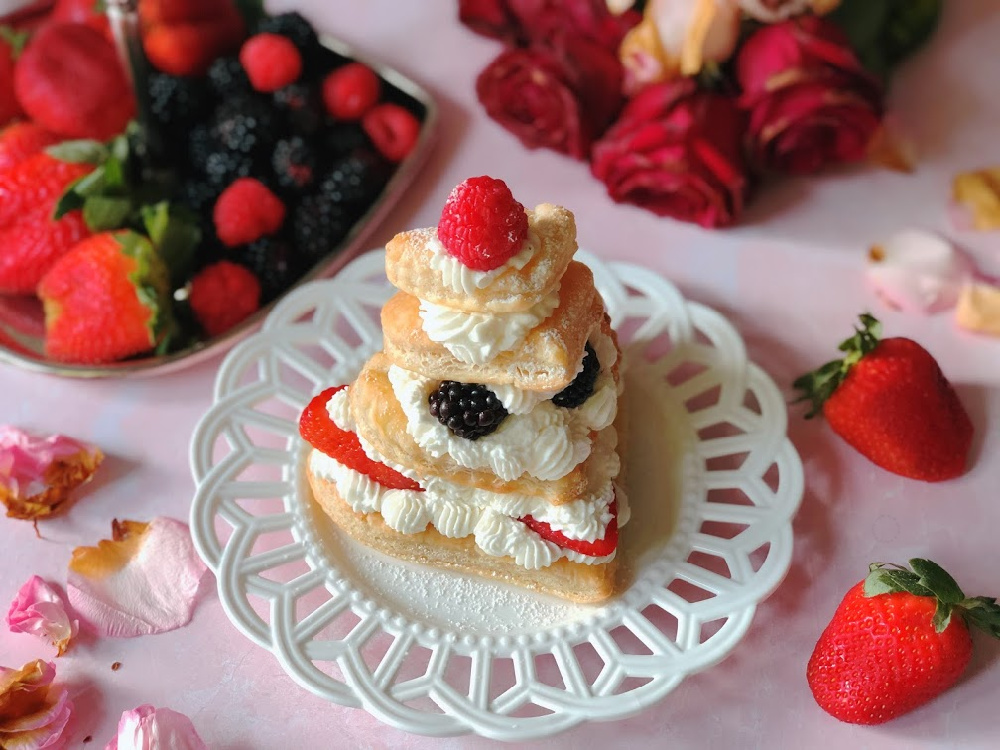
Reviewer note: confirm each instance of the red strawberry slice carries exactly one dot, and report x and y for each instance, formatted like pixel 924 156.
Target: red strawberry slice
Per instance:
pixel 597 548
pixel 317 429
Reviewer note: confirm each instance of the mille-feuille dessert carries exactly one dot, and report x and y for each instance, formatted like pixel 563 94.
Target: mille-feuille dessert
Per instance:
pixel 485 436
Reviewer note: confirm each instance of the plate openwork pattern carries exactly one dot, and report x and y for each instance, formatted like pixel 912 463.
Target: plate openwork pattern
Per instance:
pixel 437 653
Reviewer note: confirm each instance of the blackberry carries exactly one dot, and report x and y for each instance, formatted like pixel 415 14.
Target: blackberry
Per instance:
pixel 301 106
pixel 357 178
pixel 582 386
pixel 244 124
pixel 275 264
pixel 226 77
pixel 319 225
pixel 222 166
pixel 197 195
pixel 175 102
pixel 469 410
pixel 294 164
pixel 341 138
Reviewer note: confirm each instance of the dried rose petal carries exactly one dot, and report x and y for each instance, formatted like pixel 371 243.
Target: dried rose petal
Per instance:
pixel 978 308
pixel 148 728
pixel 918 271
pixel 38 609
pixel 141 581
pixel 37 474
pixel 978 192
pixel 33 712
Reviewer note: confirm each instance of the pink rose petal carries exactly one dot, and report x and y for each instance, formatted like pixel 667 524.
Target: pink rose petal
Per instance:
pixel 38 609
pixel 33 712
pixel 918 271
pixel 148 728
pixel 142 581
pixel 36 474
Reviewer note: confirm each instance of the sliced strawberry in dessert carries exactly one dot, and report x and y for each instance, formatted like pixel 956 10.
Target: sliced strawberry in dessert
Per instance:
pixel 317 429
pixel 596 548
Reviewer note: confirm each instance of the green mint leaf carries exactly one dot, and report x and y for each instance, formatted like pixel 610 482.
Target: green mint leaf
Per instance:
pixel 103 213
pixel 935 578
pixel 79 152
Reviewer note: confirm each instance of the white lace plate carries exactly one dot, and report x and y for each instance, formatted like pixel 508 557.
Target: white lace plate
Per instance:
pixel 714 483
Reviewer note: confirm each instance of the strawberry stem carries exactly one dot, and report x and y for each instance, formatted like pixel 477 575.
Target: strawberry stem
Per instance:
pixel 817 386
pixel 926 578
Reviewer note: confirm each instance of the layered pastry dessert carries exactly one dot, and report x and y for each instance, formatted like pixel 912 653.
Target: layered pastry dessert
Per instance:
pixel 485 436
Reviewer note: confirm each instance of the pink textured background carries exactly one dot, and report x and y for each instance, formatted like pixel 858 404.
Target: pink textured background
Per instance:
pixel 790 279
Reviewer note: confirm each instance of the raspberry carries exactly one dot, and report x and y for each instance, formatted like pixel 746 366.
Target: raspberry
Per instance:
pixel 393 129
pixel 469 410
pixel 222 295
pixel 271 61
pixel 582 386
pixel 247 211
pixel 596 548
pixel 350 91
pixel 481 223
pixel 317 429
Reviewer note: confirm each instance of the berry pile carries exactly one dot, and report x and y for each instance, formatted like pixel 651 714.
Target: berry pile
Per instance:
pixel 257 151
pixel 313 130
pixel 469 410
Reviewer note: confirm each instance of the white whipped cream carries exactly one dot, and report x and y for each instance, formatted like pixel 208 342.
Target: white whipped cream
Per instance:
pixel 457 511
pixel 458 277
pixel 546 441
pixel 476 338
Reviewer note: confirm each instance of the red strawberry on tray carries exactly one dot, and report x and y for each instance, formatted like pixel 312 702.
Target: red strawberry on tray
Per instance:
pixel 889 400
pixel 105 300
pixel 898 639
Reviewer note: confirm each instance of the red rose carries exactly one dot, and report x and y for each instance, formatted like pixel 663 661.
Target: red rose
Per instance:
pixel 540 21
pixel 561 97
pixel 676 151
pixel 810 101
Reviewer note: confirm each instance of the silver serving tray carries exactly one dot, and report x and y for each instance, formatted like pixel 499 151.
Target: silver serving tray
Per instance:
pixel 22 327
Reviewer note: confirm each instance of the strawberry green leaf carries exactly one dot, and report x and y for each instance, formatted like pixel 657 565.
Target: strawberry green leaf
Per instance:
pixel 70 200
pixel 819 385
pixel 984 613
pixel 175 234
pixel 80 152
pixel 935 578
pixel 942 616
pixel 891 580
pixel 151 283
pixel 16 40
pixel 102 213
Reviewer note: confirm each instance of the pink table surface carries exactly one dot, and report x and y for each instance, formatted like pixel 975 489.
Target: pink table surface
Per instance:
pixel 790 279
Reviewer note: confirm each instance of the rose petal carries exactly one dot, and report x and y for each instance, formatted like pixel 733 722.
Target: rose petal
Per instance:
pixel 918 271
pixel 148 728
pixel 38 609
pixel 33 712
pixel 140 582
pixel 771 11
pixel 37 474
pixel 979 192
pixel 978 308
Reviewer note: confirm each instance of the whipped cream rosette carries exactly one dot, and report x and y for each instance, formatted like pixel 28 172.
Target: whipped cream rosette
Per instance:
pixel 485 436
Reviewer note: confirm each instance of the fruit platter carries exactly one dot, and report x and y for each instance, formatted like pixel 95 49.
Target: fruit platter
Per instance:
pixel 217 159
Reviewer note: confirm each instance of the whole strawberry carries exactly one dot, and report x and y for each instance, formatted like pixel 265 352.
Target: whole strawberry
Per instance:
pixel 106 299
pixel 70 81
pixel 898 639
pixel 889 400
